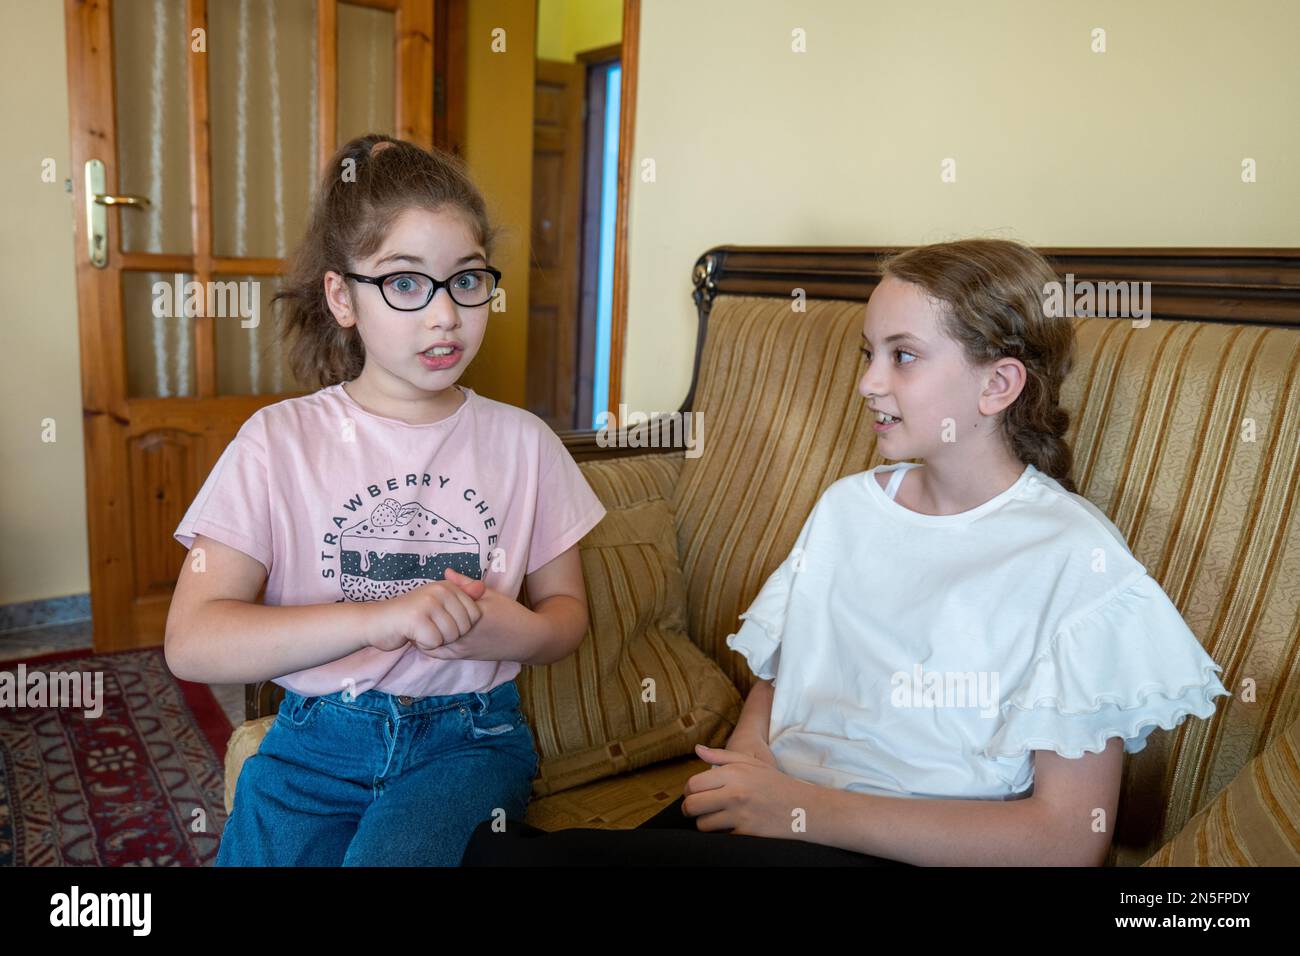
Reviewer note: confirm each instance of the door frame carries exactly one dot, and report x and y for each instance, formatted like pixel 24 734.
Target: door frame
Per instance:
pixel 626 131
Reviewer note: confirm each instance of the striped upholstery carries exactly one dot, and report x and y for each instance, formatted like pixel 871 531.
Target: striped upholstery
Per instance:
pixel 621 802
pixel 783 420
pixel 1254 821
pixel 589 711
pixel 628 799
pixel 620 482
pixel 1161 441
pixel 1186 436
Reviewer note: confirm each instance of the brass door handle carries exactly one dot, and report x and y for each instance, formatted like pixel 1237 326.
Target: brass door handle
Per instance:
pixel 136 201
pixel 97 215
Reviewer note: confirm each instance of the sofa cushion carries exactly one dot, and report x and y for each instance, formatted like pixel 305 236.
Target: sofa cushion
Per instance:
pixel 621 802
pixel 243 743
pixel 637 691
pixel 1254 821
pixel 619 482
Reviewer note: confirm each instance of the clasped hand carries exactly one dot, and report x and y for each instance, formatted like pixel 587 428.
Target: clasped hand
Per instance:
pixel 437 616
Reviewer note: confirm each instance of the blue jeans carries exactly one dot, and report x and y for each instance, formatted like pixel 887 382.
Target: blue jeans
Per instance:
pixel 378 780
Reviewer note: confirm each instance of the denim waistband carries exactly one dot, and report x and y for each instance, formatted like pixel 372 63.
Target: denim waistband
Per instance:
pixel 379 702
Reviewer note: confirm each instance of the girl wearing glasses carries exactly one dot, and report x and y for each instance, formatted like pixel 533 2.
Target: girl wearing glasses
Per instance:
pixel 392 517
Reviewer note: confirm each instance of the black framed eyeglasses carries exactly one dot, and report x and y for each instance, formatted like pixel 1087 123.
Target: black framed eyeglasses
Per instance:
pixel 409 291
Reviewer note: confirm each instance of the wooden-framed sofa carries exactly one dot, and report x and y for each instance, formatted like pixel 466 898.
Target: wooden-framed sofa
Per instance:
pixel 1186 433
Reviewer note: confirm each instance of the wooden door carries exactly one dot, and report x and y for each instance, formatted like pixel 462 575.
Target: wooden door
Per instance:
pixel 219 114
pixel 556 242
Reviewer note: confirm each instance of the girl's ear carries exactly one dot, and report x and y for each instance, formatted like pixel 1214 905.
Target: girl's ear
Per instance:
pixel 1005 382
pixel 339 299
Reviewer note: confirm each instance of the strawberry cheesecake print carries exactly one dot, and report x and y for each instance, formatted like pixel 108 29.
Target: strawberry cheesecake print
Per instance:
pixel 401 544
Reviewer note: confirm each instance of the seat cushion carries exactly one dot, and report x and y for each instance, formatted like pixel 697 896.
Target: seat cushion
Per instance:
pixel 637 691
pixel 615 802
pixel 1254 821
pixel 243 744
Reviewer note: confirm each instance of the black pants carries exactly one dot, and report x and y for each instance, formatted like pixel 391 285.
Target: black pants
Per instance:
pixel 669 838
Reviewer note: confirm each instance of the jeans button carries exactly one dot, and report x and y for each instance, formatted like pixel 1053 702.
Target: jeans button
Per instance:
pixel 404 701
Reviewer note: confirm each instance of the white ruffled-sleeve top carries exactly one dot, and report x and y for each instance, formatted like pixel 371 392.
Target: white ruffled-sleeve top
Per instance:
pixel 919 655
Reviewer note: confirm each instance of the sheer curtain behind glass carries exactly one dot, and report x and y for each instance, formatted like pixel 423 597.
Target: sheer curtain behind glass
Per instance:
pixel 150 46
pixel 262 101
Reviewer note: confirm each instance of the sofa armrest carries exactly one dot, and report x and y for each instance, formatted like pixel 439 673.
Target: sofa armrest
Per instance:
pixel 1254 821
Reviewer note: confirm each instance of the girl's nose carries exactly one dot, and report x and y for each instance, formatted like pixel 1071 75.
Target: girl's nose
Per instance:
pixel 870 384
pixel 442 311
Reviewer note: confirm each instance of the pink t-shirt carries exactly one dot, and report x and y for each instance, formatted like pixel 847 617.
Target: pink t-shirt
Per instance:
pixel 344 505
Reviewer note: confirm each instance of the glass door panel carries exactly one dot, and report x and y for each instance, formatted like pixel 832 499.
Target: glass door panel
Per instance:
pixel 367 66
pixel 159 338
pixel 151 44
pixel 262 106
pixel 250 355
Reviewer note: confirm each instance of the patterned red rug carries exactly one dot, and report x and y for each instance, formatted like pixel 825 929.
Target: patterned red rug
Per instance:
pixel 136 783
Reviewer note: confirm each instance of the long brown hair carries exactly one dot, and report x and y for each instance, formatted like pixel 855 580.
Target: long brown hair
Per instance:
pixel 992 293
pixel 364 188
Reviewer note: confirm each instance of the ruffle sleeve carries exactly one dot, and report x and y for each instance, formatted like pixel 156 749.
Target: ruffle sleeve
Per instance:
pixel 759 637
pixel 1122 669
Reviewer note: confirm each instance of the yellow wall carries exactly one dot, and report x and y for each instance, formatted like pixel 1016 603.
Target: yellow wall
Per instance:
pixel 43 505
pixel 568 27
pixel 499 151
pixel 1055 145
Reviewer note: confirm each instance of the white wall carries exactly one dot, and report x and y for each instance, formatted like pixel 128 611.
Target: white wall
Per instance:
pixel 43 505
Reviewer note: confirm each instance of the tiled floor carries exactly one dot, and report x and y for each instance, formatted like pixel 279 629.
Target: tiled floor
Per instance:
pixel 18 645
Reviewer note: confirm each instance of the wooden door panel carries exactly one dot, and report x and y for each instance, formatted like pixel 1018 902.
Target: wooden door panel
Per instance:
pixel 556 242
pixel 548 210
pixel 162 461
